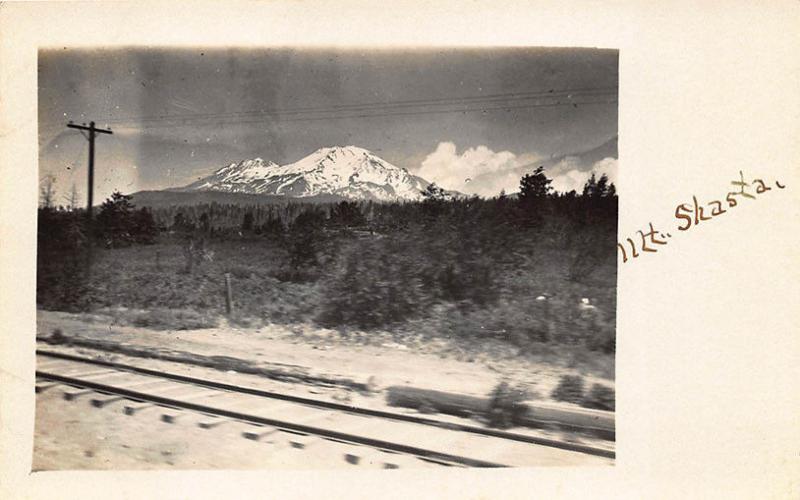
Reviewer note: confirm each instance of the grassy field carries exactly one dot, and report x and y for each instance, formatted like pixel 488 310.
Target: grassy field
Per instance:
pixel 475 273
pixel 155 277
pixel 153 288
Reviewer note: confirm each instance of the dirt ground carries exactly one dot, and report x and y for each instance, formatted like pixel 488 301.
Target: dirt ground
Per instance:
pixel 319 353
pixel 73 435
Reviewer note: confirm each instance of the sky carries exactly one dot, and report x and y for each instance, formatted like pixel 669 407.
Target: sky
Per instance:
pixel 472 120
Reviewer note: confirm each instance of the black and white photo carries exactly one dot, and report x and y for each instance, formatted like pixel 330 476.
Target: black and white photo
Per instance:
pixel 326 258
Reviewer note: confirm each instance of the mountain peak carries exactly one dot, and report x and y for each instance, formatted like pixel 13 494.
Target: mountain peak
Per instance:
pixel 341 152
pixel 344 149
pixel 348 171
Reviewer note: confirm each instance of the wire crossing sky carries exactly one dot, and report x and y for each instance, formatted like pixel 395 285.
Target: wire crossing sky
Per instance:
pixel 449 115
pixel 475 103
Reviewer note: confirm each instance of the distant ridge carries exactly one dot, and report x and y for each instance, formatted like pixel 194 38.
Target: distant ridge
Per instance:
pixel 167 198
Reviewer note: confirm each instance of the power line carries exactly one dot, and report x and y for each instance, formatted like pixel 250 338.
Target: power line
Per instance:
pixel 375 106
pixel 255 119
pixel 567 93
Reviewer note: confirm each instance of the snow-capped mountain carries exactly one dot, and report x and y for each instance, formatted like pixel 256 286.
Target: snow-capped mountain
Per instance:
pixel 350 172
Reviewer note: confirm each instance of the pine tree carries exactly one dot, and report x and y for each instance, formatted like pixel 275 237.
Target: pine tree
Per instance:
pixel 47 191
pixel 590 188
pixel 534 197
pixel 145 229
pixel 72 198
pixel 247 222
pixel 601 191
pixel 115 223
pixel 181 223
pixel 305 235
pixel 205 223
pixel 535 186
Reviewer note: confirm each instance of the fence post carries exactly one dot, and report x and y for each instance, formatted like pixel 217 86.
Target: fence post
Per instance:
pixel 228 294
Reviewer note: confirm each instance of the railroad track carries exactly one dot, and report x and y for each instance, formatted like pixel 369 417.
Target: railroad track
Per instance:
pixel 358 435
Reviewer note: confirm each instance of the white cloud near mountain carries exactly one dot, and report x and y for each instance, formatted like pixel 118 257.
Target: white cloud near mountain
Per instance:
pixel 570 173
pixel 479 170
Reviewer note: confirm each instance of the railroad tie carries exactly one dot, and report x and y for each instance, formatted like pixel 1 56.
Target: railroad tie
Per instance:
pixel 299 440
pixel 134 407
pixel 259 432
pixel 212 422
pixel 403 461
pixel 365 456
pixel 43 387
pixel 303 440
pixel 73 394
pixel 171 417
pixel 101 401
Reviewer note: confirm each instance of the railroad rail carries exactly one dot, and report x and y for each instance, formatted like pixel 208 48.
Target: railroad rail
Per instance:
pixel 304 420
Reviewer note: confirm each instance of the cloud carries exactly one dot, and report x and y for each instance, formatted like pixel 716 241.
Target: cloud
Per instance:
pixel 478 170
pixel 569 173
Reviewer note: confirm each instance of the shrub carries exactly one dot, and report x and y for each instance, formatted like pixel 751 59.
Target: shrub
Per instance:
pixel 570 389
pixel 240 272
pixel 247 222
pixel 506 407
pixel 305 240
pixel 195 253
pixel 346 214
pixel 61 277
pixel 57 337
pixel 373 285
pixel 604 339
pixel 600 397
pixel 145 230
pixel 273 227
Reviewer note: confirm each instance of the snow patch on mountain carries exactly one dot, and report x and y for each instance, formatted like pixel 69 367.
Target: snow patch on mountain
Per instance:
pixel 350 171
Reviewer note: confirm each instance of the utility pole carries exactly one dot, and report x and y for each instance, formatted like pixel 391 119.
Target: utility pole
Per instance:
pixel 92 131
pixel 89 210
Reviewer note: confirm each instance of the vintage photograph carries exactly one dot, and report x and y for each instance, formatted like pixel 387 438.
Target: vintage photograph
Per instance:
pixel 326 258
